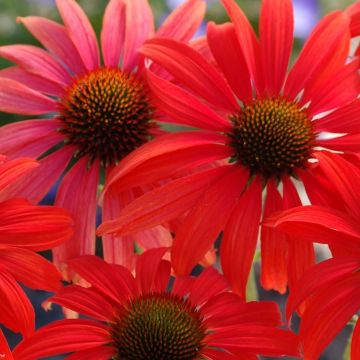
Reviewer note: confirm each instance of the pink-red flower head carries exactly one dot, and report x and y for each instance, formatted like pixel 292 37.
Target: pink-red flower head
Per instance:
pixel 88 114
pixel 266 121
pixel 148 317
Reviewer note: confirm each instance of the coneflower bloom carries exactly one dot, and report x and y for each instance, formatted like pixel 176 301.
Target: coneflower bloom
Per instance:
pixel 145 317
pixel 331 289
pixel 90 112
pixel 25 228
pixel 263 119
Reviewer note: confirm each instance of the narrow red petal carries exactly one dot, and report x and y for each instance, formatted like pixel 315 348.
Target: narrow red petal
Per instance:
pixel 4 348
pixel 355 342
pixel 113 33
pixel 276 38
pixel 80 32
pixel 225 48
pixel 240 238
pixel 184 21
pixel 274 246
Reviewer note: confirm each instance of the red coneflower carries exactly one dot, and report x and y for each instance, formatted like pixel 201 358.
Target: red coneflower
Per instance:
pixel 141 318
pixel 263 119
pixel 95 114
pixel 25 228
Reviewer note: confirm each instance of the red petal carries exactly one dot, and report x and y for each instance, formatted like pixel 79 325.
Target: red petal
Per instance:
pixel 318 224
pixel 204 222
pixel 62 337
pixel 264 340
pixel 139 27
pixel 319 49
pixel 113 33
pixel 20 99
pixel 276 38
pixel 77 193
pixel 16 311
pixel 55 38
pixel 33 227
pixel 342 120
pixel 166 156
pixel 37 61
pixel 323 275
pixel 192 70
pixel 248 42
pixel 184 21
pixel 274 246
pixel 87 301
pixel 225 48
pixel 30 268
pixel 99 353
pixel 208 284
pixel 4 348
pixel 240 238
pixel 184 107
pixel 163 203
pixel 355 342
pixel 147 269
pixel 328 313
pixel 301 255
pixel 80 31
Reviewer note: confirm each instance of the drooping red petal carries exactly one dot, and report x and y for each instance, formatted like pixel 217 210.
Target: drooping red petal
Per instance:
pixel 276 38
pixel 163 203
pixel 166 156
pixel 138 28
pixel 80 32
pixel 346 143
pixel 318 50
pixel 77 193
pixel 62 337
pixel 301 255
pixel 29 268
pixel 99 353
pixel 240 238
pixel 225 48
pixel 274 246
pixel 55 38
pixel 192 70
pixel 183 22
pixel 327 314
pixel 323 275
pixel 204 222
pixel 33 227
pixel 318 224
pixel 184 107
pixel 113 33
pixel 248 42
pixel 16 311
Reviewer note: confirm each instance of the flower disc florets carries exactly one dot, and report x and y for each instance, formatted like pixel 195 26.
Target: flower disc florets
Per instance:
pixel 106 114
pixel 272 136
pixel 158 327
